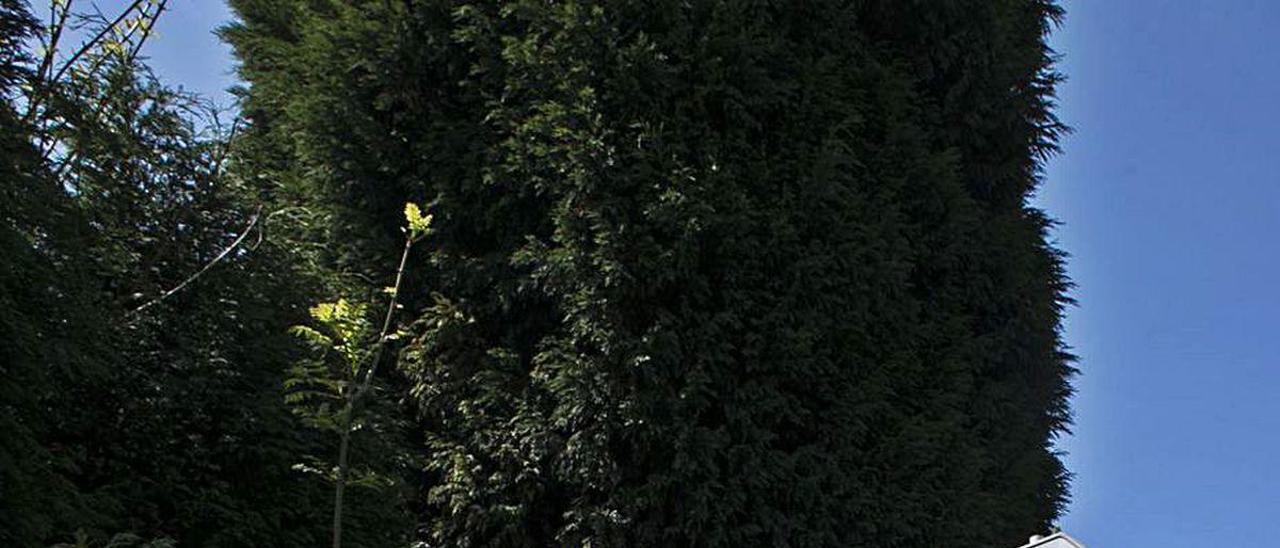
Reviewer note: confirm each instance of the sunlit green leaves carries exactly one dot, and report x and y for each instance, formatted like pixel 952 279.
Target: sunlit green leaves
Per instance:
pixel 342 339
pixel 419 225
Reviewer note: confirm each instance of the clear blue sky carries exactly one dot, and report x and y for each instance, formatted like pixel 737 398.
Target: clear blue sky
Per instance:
pixel 1169 192
pixel 186 53
pixel 1170 197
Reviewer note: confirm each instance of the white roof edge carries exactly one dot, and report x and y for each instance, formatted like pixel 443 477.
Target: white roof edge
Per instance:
pixel 1056 536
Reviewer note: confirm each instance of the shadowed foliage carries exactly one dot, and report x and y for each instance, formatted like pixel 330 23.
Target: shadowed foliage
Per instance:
pixel 703 272
pixel 698 273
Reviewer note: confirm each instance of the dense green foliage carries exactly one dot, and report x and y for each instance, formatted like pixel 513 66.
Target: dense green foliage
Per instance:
pixel 168 422
pixel 700 273
pixel 704 273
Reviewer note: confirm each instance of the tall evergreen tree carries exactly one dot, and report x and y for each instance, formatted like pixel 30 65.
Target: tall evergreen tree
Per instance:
pixel 704 273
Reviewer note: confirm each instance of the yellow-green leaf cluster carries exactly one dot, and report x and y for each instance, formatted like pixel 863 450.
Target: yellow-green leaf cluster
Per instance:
pixel 419 224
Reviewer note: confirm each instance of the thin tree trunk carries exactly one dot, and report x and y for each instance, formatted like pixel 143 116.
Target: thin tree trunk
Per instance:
pixel 358 389
pixel 343 448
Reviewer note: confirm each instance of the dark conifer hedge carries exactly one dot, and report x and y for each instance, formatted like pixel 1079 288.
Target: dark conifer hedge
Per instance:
pixel 712 273
pixel 123 424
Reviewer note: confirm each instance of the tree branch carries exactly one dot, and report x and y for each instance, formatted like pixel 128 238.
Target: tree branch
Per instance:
pixel 253 221
pixel 40 92
pixel 57 22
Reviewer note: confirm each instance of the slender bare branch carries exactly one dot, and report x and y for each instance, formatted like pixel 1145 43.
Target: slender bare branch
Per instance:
pixel 149 23
pixel 40 92
pixel 57 23
pixel 253 221
pixel 88 45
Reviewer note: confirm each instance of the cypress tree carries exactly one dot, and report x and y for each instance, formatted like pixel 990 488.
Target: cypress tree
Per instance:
pixel 703 273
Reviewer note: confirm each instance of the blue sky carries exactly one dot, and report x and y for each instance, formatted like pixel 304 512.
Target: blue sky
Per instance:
pixel 186 53
pixel 1169 194
pixel 183 49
